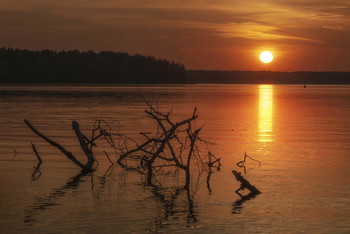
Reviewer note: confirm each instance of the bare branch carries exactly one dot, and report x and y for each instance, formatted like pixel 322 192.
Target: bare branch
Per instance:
pixel 108 157
pixel 36 153
pixel 58 146
pixel 15 152
pixel 83 145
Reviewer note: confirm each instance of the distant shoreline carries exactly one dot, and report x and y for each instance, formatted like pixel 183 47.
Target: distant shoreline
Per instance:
pixel 267 77
pixel 147 85
pixel 223 77
pixel 61 68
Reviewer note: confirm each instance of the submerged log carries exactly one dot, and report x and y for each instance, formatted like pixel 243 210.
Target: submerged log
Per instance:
pixel 245 183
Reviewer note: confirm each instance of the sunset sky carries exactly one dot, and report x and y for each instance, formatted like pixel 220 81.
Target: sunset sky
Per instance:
pixel 201 34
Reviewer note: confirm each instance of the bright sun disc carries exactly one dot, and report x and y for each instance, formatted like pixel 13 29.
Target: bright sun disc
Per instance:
pixel 266 57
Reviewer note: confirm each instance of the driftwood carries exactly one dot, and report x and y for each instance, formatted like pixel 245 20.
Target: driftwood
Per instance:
pixel 88 165
pixel 244 183
pixel 253 191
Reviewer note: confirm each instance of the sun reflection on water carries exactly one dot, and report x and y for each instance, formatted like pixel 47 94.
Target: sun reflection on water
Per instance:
pixel 265 113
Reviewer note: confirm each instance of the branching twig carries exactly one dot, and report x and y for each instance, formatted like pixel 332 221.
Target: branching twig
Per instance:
pixel 15 153
pixel 36 153
pixel 241 163
pixel 108 157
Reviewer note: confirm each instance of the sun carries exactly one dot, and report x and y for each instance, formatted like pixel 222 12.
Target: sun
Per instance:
pixel 266 57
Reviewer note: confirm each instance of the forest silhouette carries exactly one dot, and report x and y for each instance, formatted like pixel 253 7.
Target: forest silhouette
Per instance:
pixel 19 66
pixel 49 67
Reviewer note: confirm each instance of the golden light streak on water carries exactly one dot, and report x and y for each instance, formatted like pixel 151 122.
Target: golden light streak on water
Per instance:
pixel 265 113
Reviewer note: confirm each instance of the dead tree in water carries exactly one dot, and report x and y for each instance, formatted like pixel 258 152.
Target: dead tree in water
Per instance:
pixel 174 144
pixel 166 140
pixel 83 143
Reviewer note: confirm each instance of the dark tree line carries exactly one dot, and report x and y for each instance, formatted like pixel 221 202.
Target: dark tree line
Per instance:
pixel 50 67
pixel 267 77
pixel 47 67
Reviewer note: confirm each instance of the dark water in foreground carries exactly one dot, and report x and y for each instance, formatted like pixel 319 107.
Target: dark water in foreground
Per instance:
pixel 301 136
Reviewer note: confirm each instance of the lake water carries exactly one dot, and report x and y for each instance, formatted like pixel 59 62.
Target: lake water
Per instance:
pixel 300 135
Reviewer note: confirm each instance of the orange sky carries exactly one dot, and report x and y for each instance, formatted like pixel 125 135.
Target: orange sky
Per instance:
pixel 201 34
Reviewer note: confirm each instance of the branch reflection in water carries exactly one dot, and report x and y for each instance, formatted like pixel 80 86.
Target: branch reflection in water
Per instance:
pixel 36 173
pixel 176 201
pixel 237 206
pixel 102 182
pixel 44 203
pixel 172 201
pixel 169 207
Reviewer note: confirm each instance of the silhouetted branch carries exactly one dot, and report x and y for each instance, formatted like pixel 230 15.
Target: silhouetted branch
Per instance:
pixel 244 183
pixel 15 153
pixel 83 145
pixel 208 181
pixel 253 191
pixel 36 153
pixel 173 144
pixel 108 157
pixel 216 164
pixel 60 147
pixel 241 163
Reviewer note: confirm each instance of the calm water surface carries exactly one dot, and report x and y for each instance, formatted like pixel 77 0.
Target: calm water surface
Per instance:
pixel 301 136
